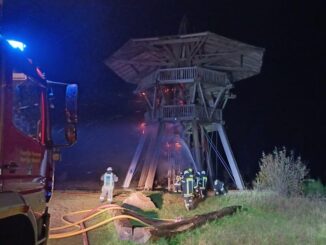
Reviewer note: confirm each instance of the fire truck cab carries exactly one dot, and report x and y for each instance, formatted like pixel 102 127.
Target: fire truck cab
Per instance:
pixel 27 150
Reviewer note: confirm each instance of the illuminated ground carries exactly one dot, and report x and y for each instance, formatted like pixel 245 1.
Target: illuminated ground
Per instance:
pixel 265 219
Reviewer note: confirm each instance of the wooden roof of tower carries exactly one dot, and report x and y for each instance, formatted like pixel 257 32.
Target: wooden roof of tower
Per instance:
pixel 140 58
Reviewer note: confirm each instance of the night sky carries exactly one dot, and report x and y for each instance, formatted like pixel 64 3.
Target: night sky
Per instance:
pixel 282 106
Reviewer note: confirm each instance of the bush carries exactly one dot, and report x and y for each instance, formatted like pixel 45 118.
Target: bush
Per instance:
pixel 314 188
pixel 281 172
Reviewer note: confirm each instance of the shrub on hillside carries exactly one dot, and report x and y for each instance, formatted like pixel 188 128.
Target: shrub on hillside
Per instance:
pixel 281 172
pixel 314 188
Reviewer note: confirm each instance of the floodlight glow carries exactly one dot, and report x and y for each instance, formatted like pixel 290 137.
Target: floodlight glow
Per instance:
pixel 16 44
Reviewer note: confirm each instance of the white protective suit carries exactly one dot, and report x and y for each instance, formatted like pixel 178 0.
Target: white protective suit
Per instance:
pixel 107 189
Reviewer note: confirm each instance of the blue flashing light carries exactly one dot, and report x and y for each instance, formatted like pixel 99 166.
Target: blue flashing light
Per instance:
pixel 16 44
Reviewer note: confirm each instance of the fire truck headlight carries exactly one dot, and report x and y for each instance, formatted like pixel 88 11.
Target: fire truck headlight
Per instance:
pixel 16 44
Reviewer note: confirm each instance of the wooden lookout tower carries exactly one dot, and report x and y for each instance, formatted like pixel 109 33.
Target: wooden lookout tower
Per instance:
pixel 186 82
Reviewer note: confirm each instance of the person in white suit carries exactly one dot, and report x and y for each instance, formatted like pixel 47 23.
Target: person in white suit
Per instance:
pixel 108 178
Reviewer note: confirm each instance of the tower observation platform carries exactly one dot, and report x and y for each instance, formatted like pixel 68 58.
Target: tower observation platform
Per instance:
pixel 186 81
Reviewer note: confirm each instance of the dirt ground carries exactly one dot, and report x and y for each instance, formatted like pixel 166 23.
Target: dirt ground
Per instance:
pixel 64 202
pixel 68 201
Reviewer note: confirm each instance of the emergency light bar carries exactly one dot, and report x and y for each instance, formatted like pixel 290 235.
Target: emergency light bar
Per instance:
pixel 16 44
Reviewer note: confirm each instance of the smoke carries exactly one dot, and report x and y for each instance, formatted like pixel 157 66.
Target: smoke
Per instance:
pixel 100 144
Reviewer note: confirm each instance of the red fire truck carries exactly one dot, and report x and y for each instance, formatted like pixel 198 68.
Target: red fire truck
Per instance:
pixel 27 148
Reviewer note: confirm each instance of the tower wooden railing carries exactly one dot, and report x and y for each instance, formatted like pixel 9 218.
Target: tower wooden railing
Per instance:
pixel 184 113
pixel 180 112
pixel 206 75
pixel 170 75
pixel 189 74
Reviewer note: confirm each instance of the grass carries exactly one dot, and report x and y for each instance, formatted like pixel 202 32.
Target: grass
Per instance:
pixel 264 219
pixel 105 234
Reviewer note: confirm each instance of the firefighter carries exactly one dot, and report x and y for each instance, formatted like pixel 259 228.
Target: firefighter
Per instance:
pixel 219 188
pixel 203 184
pixel 108 179
pixel 197 182
pixel 188 188
pixel 177 183
pixel 190 170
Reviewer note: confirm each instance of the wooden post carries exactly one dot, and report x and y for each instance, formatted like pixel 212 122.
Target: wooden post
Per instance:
pixel 231 159
pixel 207 151
pixel 217 100
pixel 134 162
pixel 203 99
pixel 203 147
pixel 154 102
pixel 154 161
pixel 196 142
pixel 148 157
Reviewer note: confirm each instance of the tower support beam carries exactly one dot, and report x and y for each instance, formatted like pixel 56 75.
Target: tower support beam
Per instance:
pixel 230 157
pixel 196 143
pixel 207 155
pixel 153 134
pixel 134 161
pixel 154 161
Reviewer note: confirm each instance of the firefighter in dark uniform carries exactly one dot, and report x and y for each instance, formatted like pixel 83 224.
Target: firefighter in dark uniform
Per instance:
pixel 188 188
pixel 203 184
pixel 197 183
pixel 219 188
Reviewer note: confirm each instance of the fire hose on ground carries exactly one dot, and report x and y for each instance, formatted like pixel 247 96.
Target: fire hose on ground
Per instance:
pixel 158 227
pixel 98 211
